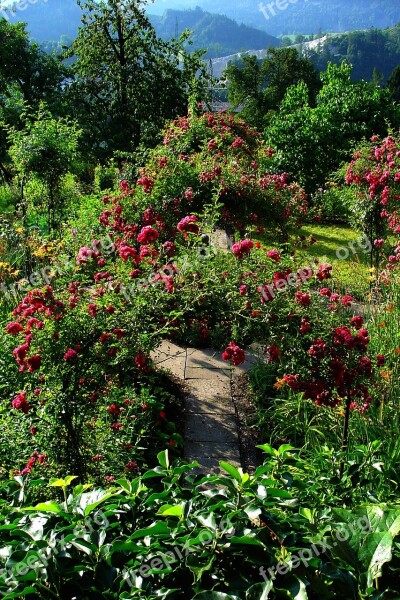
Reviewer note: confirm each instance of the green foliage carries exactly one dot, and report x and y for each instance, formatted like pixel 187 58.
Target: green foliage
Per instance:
pixel 129 81
pixel 312 143
pixel 165 534
pixel 394 83
pixel 25 69
pixel 105 178
pixel 46 149
pixel 260 86
pixel 371 53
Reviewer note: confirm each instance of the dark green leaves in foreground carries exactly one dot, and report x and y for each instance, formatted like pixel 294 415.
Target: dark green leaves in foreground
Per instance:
pixel 173 534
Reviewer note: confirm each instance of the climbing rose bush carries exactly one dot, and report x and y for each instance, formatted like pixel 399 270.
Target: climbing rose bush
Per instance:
pixel 85 376
pixel 216 160
pixel 337 367
pixel 374 175
pixel 85 391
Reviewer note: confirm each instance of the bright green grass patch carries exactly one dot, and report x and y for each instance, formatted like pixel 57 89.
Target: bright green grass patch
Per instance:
pixel 339 245
pixel 347 251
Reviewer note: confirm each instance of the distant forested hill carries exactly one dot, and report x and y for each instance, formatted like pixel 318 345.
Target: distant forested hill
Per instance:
pixel 301 16
pixel 216 33
pixel 367 51
pixel 49 19
pixel 52 19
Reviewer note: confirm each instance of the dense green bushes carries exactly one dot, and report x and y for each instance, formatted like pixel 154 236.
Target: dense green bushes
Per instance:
pixel 173 534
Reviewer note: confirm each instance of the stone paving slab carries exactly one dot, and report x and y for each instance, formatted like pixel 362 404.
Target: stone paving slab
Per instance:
pixel 216 389
pixel 204 451
pixel 175 364
pixel 211 433
pixel 208 374
pixel 211 405
pixel 209 359
pixel 211 427
pixel 167 350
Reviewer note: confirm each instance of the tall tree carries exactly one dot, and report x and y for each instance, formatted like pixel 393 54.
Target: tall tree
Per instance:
pixel 394 83
pixel 260 86
pixel 311 142
pixel 26 70
pixel 28 77
pixel 128 81
pixel 46 149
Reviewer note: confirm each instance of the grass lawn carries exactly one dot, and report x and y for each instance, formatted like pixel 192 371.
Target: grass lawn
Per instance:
pixel 342 247
pixel 347 251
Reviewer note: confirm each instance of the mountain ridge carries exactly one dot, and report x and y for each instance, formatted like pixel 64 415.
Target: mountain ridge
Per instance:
pixel 221 35
pixel 49 19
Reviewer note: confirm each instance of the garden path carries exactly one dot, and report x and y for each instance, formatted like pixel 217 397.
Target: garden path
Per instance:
pixel 211 433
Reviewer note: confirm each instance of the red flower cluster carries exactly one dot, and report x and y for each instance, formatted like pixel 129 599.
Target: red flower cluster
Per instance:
pixel 20 403
pixel 86 254
pixel 274 255
pixel 324 271
pixel 234 354
pixel 36 458
pixel 70 355
pixel 272 352
pixel 141 362
pixel 188 225
pixel 240 249
pixel 37 301
pixel 303 298
pixel 126 252
pixel 146 183
pixel 14 328
pixel 338 366
pixel 148 235
pixel 34 363
pixel 238 143
pixel 376 173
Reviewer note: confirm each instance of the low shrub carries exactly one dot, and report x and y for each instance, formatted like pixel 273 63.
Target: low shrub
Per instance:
pixel 180 535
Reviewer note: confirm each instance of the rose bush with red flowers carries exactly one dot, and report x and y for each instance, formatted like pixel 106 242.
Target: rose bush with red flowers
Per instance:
pixel 217 160
pixel 374 177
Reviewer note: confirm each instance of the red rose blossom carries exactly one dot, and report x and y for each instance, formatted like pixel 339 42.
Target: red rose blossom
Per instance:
pixel 188 225
pixel 234 353
pixel 274 255
pixel 34 362
pixel 240 249
pixel 14 328
pixel 70 355
pixel 148 235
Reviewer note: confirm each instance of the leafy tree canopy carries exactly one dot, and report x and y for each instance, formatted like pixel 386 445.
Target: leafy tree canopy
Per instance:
pixel 311 142
pixel 260 86
pixel 128 81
